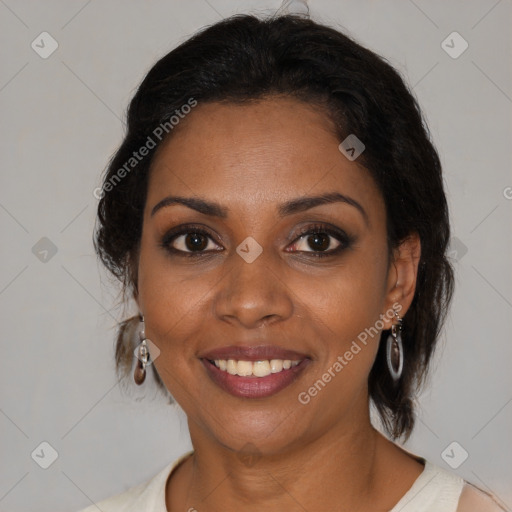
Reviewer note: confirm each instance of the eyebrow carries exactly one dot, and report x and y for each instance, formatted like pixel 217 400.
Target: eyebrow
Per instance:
pixel 290 207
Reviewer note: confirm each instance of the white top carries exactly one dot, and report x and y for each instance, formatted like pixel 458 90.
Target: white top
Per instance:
pixel 435 490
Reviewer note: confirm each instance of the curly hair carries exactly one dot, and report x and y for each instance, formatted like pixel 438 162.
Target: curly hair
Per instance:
pixel 246 58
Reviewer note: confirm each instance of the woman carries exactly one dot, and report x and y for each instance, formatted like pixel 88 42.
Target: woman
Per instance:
pixel 277 212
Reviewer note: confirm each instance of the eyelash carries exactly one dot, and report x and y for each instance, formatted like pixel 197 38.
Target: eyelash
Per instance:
pixel 343 238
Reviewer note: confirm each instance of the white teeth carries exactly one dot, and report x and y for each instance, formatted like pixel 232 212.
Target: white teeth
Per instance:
pixel 231 366
pixel 244 368
pixel 260 368
pixel 276 365
pixel 257 368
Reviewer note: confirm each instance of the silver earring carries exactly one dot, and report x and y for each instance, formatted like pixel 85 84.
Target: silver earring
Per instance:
pixel 395 350
pixel 139 374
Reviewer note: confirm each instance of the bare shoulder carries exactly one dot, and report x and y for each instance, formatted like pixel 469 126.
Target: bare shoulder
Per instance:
pixel 473 499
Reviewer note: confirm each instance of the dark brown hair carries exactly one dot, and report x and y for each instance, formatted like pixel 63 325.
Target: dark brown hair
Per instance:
pixel 245 58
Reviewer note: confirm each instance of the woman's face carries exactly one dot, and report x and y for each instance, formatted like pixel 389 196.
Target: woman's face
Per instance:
pixel 255 286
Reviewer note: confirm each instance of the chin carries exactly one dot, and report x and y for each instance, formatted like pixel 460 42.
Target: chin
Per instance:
pixel 264 432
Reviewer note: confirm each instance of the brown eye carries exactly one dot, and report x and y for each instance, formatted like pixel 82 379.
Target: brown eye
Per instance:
pixel 320 240
pixel 195 242
pixel 317 242
pixel 189 241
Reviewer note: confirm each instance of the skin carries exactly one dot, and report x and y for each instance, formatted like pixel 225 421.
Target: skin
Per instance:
pixel 321 456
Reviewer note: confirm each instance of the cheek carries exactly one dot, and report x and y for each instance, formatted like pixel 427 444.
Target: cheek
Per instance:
pixel 350 298
pixel 172 309
pixel 345 309
pixel 173 323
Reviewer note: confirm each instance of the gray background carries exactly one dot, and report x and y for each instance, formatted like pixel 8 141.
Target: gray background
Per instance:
pixel 62 118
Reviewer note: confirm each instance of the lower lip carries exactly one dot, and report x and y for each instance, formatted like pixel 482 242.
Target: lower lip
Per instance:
pixel 254 387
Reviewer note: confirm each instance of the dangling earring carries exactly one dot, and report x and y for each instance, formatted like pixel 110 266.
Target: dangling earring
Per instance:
pixel 139 374
pixel 395 350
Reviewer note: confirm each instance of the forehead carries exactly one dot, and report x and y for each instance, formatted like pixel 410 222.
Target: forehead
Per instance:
pixel 249 155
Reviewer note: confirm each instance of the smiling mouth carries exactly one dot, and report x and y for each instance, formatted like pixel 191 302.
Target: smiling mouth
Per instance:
pixel 254 379
pixel 254 368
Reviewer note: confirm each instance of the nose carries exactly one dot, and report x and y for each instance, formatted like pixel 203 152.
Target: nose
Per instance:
pixel 253 294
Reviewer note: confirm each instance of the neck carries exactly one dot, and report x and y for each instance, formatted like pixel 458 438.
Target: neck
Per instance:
pixel 335 471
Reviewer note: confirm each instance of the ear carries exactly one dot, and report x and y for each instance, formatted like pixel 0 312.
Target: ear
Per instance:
pixel 402 276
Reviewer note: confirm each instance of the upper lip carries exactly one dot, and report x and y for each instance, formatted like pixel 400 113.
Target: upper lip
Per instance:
pixel 253 353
